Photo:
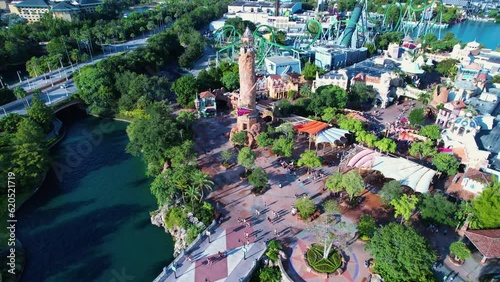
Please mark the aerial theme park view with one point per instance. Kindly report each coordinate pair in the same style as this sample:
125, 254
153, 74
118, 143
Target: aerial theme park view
223, 140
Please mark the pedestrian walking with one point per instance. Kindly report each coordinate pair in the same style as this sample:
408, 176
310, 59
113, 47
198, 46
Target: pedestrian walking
246, 235
276, 232
265, 204
269, 219
280, 185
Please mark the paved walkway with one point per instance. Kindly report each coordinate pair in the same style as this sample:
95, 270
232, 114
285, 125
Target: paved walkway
269, 215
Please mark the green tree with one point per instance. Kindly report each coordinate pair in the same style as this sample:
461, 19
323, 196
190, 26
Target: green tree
306, 207
416, 116
309, 71
486, 206
40, 113
201, 181
351, 124
20, 94
446, 163
309, 159
283, 146
328, 96
305, 90
180, 155
367, 138
431, 131
460, 250
386, 145
404, 206
496, 79
438, 209
366, 226
186, 118
371, 48
231, 80
226, 155
423, 149
353, 183
360, 95
239, 138
425, 98
329, 114
401, 254
334, 182
270, 274
447, 67
246, 158
153, 135
185, 89
264, 141
391, 191
10, 122
285, 128
258, 178
6, 96
163, 192
273, 249
193, 194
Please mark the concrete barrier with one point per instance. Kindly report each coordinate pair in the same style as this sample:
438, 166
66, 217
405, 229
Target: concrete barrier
284, 274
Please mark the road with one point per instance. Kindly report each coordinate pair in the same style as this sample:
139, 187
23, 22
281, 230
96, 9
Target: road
58, 84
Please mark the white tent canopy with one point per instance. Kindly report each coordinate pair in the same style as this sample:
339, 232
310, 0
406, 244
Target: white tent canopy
411, 174
330, 135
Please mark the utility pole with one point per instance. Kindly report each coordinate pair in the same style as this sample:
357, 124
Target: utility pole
1, 82
66, 73
50, 76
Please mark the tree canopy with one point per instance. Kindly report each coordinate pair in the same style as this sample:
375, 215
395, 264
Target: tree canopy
40, 113
361, 96
258, 178
310, 159
404, 206
246, 158
185, 89
486, 206
438, 209
460, 250
386, 145
283, 146
309, 71
390, 191
353, 183
431, 131
447, 67
423, 149
446, 163
328, 96
334, 182
416, 116
401, 254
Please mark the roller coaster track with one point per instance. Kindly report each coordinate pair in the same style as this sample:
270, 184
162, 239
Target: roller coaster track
228, 40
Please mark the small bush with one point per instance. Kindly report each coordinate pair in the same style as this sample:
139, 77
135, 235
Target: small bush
273, 249
205, 213
270, 274
306, 207
176, 217
317, 262
192, 233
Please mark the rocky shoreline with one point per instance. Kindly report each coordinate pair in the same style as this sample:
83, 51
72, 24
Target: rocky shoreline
179, 235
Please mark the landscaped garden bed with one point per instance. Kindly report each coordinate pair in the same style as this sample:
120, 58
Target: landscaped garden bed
314, 257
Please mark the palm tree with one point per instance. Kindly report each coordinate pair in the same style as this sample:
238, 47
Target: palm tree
425, 98
193, 194
201, 181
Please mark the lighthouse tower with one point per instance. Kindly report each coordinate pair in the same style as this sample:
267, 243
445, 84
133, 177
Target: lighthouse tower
246, 98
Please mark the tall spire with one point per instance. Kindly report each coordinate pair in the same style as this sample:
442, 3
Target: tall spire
248, 33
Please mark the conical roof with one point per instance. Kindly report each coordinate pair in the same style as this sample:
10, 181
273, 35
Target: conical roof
248, 33
407, 38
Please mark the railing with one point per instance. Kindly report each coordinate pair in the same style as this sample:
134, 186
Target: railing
196, 241
284, 274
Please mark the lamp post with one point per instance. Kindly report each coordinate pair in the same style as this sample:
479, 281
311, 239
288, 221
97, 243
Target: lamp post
19, 75
50, 76
174, 269
1, 82
208, 234
48, 97
4, 112
66, 73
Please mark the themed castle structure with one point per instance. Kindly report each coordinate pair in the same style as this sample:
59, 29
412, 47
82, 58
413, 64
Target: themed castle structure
247, 111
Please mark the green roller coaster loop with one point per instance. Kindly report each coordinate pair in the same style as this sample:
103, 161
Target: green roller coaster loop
387, 10
420, 9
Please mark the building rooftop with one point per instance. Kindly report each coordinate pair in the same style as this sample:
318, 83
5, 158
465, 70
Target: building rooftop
63, 7
486, 241
368, 67
488, 140
333, 75
282, 59
262, 4
483, 107
88, 2
465, 85
33, 4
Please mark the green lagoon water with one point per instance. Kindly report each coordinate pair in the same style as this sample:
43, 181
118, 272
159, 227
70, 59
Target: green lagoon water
90, 221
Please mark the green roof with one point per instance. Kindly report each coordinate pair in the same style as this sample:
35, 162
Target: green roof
64, 6
33, 4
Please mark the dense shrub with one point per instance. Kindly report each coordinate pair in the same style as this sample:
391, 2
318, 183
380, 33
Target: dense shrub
321, 265
176, 217
205, 213
192, 233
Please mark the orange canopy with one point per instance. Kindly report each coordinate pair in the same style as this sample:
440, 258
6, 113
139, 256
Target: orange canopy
312, 127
